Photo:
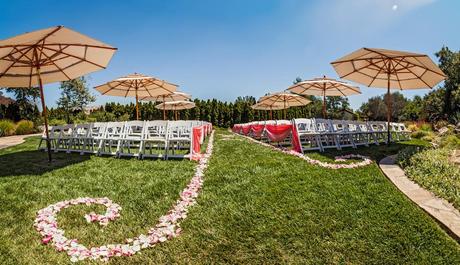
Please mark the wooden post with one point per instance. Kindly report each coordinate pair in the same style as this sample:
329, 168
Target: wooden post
44, 112
164, 109
388, 110
324, 102
137, 103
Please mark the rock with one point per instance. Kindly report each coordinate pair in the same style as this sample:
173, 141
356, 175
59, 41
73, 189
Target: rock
443, 131
455, 157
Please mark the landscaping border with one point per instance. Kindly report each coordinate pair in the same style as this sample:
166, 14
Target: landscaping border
440, 209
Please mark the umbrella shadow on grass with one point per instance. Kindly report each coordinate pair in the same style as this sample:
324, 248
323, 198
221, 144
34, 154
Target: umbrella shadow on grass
36, 162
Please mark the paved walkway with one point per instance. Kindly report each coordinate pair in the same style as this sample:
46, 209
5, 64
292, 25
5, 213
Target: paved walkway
439, 208
14, 140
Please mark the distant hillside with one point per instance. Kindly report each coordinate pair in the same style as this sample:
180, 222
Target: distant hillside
5, 100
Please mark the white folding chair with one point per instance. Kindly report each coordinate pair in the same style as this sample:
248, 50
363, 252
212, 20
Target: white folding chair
309, 137
64, 138
179, 135
379, 130
327, 136
155, 140
344, 136
358, 132
110, 142
79, 137
132, 140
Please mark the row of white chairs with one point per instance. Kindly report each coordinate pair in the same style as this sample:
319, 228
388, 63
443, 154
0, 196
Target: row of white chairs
141, 139
321, 134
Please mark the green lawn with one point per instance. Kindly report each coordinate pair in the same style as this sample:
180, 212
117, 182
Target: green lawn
257, 206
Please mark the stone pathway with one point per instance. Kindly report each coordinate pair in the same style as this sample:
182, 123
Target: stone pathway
14, 140
438, 208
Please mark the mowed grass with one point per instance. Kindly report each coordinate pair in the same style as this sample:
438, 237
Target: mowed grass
257, 206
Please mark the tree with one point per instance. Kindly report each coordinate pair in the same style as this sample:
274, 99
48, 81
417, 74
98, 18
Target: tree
449, 62
26, 103
376, 108
75, 96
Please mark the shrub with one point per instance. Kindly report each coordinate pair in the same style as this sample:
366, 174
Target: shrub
55, 122
91, 119
420, 134
450, 141
432, 169
404, 156
429, 137
24, 127
426, 127
412, 127
441, 123
6, 128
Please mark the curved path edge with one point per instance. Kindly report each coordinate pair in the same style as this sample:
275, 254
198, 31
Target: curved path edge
438, 208
9, 141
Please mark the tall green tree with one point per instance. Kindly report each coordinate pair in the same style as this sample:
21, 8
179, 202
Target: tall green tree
449, 62
75, 96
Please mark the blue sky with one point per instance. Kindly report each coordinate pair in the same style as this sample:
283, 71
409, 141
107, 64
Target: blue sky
225, 49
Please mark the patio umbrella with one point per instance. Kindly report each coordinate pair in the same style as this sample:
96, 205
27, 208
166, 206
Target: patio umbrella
176, 96
175, 106
50, 55
389, 69
284, 99
136, 85
264, 106
324, 87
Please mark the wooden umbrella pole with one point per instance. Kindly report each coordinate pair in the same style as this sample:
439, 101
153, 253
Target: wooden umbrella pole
324, 102
45, 114
271, 114
164, 109
388, 110
137, 103
285, 108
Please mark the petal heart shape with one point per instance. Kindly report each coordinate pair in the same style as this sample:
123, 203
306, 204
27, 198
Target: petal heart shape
168, 226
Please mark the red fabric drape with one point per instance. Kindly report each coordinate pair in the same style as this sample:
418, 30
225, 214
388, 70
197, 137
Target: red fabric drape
257, 130
245, 129
277, 133
196, 146
295, 140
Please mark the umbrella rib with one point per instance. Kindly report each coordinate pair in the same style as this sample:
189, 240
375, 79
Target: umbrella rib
377, 74
418, 77
363, 67
399, 82
41, 52
11, 53
77, 57
441, 74
14, 62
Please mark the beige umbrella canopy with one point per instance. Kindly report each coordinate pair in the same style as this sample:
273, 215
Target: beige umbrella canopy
136, 85
324, 87
176, 105
389, 69
284, 99
264, 106
50, 55
176, 96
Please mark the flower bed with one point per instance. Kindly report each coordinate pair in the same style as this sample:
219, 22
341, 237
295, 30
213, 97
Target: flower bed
168, 227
